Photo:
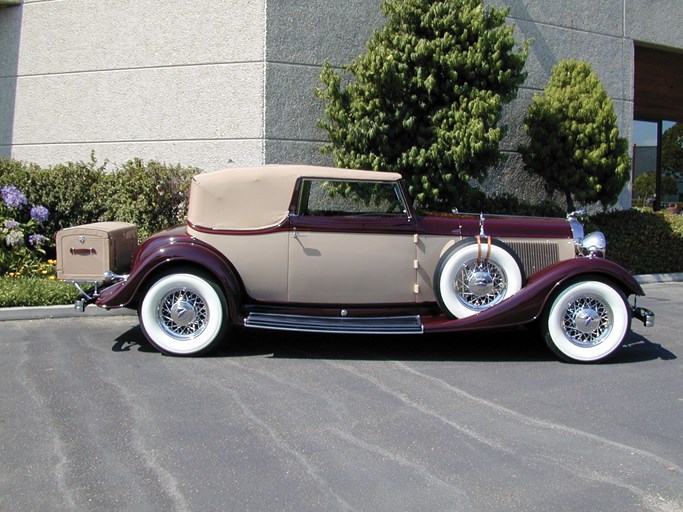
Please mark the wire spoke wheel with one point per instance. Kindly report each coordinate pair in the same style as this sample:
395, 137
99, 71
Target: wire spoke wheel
586, 321
474, 275
184, 314
480, 285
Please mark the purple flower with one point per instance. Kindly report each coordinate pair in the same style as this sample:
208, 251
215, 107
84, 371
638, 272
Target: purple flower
37, 240
13, 197
10, 224
39, 213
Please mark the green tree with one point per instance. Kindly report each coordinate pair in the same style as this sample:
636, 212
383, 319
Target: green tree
426, 97
574, 143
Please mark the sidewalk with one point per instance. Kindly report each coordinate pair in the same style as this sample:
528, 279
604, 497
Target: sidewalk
660, 278
69, 311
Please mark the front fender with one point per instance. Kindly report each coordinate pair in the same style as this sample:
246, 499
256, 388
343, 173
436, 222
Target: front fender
601, 267
158, 257
527, 304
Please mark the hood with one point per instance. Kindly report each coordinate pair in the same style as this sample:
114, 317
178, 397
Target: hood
498, 226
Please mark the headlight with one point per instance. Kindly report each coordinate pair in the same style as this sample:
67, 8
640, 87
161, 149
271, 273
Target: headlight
577, 230
594, 245
576, 226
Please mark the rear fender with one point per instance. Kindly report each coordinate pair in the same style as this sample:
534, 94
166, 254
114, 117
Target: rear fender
166, 256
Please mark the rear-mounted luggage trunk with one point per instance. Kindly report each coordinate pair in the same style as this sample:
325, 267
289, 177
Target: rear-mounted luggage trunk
86, 252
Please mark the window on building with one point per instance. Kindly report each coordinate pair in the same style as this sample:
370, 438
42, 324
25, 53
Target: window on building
658, 126
657, 149
672, 162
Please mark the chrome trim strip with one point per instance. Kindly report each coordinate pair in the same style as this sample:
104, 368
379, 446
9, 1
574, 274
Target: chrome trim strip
336, 325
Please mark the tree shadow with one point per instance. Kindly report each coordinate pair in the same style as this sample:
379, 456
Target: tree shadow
510, 345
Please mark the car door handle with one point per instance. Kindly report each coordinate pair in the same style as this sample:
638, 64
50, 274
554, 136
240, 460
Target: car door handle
297, 234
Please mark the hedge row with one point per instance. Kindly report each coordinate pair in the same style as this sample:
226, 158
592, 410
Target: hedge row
642, 241
153, 196
35, 291
150, 194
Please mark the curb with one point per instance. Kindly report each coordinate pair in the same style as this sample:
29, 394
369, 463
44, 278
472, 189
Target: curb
660, 278
48, 312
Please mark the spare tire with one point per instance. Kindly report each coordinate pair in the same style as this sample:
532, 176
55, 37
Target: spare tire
475, 274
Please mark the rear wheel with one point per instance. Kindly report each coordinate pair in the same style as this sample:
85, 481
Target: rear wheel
183, 314
587, 322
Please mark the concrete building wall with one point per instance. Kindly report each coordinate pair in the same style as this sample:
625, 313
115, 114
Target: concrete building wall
602, 33
223, 83
174, 81
578, 29
169, 80
302, 34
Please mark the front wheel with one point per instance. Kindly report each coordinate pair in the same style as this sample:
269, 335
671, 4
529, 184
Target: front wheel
183, 314
586, 322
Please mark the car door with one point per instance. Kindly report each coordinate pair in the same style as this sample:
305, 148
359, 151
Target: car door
351, 243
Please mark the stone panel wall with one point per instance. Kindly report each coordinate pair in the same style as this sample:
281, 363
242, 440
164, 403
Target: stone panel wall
179, 81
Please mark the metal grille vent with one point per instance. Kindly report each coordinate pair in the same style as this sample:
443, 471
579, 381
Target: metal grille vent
535, 256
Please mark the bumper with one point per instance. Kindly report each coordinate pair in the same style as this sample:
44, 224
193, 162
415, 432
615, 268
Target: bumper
644, 315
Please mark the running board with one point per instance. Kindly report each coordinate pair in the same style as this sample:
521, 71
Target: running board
340, 325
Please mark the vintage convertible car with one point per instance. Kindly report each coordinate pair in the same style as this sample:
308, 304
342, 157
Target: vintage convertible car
318, 249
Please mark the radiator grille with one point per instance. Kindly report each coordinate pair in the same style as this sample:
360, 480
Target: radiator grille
535, 256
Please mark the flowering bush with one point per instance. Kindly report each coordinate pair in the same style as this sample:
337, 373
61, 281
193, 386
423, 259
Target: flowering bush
22, 245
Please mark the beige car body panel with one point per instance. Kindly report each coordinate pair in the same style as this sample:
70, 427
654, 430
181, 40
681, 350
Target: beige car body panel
322, 267
351, 268
284, 266
346, 268
261, 260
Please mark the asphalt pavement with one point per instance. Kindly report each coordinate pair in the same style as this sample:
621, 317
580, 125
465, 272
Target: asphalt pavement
92, 418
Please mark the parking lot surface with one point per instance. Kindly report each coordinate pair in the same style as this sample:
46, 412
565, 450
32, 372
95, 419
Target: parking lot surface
92, 418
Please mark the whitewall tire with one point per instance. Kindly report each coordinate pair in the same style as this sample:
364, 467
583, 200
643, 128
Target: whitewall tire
473, 276
183, 314
586, 322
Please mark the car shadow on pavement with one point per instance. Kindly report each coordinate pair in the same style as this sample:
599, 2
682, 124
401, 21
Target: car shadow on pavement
508, 345
132, 339
638, 348
511, 345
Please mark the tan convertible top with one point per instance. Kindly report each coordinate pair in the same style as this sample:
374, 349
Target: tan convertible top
250, 198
